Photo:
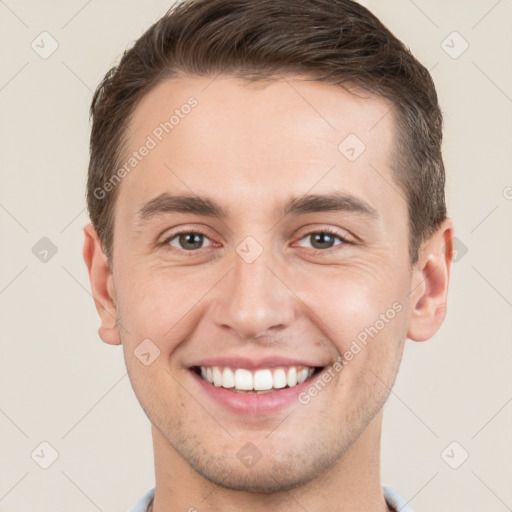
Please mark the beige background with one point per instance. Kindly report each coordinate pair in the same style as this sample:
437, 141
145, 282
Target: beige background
60, 384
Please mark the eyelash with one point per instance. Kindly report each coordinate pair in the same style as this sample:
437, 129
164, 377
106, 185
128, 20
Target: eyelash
326, 231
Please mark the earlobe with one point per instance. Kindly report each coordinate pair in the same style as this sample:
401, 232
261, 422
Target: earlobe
430, 281
102, 286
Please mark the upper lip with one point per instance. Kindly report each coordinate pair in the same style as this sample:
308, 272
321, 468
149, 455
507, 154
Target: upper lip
255, 363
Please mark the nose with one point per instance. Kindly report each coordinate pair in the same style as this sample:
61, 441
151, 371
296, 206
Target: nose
253, 300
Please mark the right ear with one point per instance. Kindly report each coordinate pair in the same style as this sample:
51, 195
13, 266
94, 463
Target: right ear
102, 286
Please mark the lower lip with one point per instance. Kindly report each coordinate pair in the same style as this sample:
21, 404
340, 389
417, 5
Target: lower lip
253, 404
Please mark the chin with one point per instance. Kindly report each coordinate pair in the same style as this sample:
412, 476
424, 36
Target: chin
272, 473
263, 481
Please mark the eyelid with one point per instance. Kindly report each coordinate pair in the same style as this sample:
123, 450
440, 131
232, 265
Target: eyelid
344, 235
335, 248
173, 234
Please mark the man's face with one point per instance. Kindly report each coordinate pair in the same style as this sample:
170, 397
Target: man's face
261, 289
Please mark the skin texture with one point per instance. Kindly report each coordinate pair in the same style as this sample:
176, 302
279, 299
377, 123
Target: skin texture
251, 148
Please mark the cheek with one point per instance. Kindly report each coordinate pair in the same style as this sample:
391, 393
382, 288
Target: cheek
157, 304
365, 319
356, 306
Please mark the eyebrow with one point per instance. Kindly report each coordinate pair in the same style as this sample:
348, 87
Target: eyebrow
312, 203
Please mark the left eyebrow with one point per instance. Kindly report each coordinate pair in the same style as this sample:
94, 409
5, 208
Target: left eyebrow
334, 202
337, 201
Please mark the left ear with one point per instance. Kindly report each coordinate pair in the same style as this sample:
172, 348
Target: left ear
430, 280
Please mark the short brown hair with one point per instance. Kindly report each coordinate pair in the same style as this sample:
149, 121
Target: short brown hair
335, 41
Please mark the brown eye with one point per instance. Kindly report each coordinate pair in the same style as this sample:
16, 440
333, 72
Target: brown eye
187, 240
323, 240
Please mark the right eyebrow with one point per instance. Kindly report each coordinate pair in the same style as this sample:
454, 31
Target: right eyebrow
167, 203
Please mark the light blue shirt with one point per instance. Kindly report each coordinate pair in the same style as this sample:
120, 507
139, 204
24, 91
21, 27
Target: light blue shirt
393, 499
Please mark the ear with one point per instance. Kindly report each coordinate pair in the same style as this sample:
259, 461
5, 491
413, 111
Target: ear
102, 286
430, 280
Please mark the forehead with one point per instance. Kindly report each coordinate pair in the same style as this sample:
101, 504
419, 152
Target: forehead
245, 142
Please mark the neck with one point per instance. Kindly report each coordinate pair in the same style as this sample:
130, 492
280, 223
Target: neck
352, 483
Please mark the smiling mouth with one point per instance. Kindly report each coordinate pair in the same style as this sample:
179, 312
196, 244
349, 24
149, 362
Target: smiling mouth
242, 380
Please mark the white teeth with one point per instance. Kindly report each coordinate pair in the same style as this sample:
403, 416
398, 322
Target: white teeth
302, 375
291, 378
217, 377
243, 379
279, 380
261, 380
228, 378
